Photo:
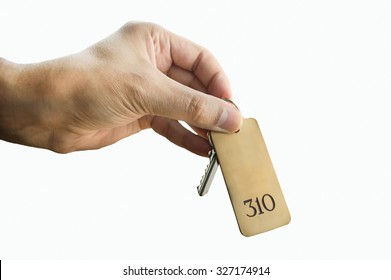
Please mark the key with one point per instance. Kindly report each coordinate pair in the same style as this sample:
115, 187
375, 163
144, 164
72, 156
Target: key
251, 181
210, 172
211, 168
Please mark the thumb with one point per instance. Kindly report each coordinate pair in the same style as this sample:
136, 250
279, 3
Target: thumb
180, 102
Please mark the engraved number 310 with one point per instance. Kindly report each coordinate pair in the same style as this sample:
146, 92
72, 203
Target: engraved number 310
266, 203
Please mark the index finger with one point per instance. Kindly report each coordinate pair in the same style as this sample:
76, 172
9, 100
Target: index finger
198, 60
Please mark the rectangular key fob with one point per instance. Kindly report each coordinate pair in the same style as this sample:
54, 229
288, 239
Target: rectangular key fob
252, 184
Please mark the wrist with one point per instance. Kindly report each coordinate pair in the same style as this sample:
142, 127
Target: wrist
8, 76
9, 72
22, 88
32, 99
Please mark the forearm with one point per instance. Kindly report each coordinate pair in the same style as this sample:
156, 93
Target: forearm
37, 101
9, 73
8, 76
20, 105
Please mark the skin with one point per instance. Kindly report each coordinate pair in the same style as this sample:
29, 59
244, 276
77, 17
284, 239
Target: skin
140, 77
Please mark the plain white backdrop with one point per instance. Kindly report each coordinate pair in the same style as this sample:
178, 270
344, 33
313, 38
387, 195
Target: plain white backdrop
315, 74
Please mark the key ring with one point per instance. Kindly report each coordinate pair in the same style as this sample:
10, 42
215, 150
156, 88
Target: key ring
230, 101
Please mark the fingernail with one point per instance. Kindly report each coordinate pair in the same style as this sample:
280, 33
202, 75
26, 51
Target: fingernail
230, 120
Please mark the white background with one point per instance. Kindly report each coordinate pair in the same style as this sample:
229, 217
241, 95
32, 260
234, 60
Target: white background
315, 74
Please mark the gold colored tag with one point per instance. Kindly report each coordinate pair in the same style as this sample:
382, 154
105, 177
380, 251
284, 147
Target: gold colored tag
251, 181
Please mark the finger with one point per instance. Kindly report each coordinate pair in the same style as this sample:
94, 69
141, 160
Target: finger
200, 131
176, 101
186, 78
189, 79
202, 63
180, 136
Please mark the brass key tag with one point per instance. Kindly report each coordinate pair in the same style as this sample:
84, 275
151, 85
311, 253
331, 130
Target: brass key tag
251, 181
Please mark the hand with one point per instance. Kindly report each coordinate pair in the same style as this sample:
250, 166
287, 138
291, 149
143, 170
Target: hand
142, 76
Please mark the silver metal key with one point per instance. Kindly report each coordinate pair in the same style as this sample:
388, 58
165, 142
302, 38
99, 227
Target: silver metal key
210, 172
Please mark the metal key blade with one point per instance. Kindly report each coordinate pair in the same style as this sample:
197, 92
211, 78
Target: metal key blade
210, 172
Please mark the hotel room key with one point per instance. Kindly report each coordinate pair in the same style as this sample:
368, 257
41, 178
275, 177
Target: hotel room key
251, 181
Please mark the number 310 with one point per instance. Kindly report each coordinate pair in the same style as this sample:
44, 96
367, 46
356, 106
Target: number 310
261, 205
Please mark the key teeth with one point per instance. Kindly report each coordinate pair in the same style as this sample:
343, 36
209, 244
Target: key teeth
202, 179
204, 185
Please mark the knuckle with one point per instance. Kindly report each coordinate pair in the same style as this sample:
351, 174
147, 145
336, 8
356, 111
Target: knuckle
197, 109
129, 26
138, 26
135, 93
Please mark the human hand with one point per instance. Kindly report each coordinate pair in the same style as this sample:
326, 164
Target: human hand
142, 76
